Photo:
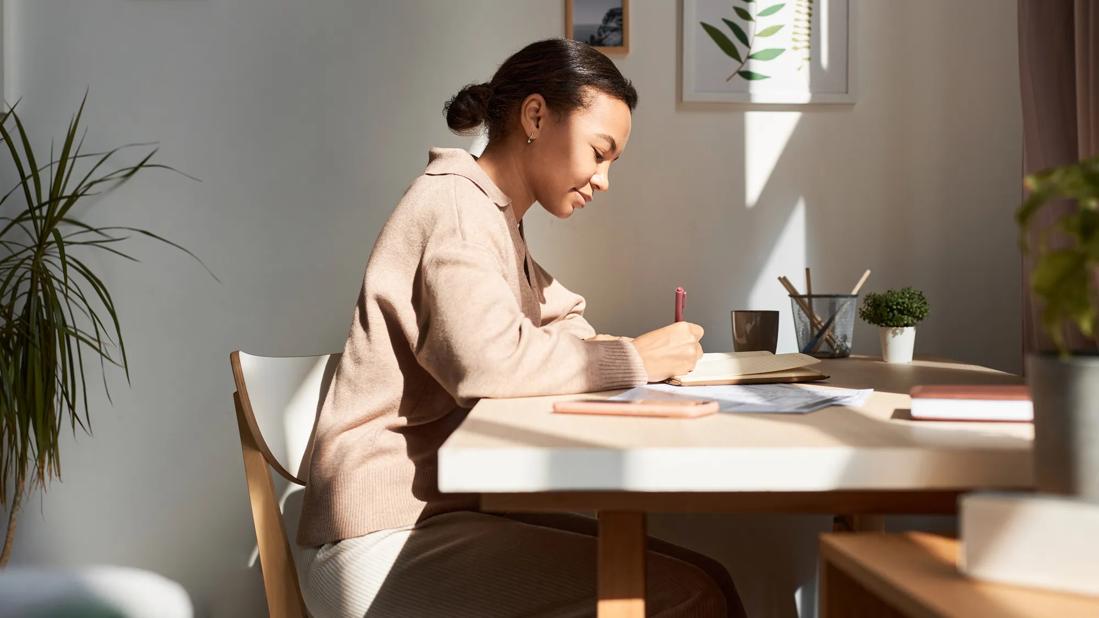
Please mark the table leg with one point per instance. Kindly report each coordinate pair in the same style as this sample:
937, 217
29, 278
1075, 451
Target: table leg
858, 523
621, 564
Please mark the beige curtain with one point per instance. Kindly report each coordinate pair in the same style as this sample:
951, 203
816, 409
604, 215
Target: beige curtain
1059, 77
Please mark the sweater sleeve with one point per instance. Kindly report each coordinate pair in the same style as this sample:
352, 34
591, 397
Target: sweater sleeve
562, 309
476, 342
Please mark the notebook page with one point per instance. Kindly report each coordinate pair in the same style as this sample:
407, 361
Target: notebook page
724, 365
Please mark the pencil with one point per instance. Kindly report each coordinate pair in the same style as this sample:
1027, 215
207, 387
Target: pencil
809, 294
813, 321
862, 280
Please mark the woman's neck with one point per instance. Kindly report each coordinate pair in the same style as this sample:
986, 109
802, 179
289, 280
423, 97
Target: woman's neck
501, 163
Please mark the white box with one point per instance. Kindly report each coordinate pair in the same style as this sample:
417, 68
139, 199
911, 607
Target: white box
1031, 540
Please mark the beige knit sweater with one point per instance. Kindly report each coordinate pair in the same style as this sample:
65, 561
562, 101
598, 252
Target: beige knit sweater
452, 309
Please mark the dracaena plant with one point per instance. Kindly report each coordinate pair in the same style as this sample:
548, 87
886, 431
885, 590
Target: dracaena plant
1065, 272
57, 315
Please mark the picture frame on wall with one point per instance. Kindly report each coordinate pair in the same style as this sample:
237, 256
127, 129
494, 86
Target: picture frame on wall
603, 24
769, 51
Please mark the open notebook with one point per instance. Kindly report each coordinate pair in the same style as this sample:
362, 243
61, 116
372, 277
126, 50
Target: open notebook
750, 368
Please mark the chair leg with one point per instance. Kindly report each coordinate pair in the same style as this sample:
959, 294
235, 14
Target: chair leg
280, 576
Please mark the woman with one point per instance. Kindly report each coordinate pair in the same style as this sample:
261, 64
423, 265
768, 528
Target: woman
453, 309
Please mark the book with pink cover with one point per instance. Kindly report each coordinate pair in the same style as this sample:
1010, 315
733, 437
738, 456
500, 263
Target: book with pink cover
976, 402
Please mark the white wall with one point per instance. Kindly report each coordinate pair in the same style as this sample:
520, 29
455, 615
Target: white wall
306, 121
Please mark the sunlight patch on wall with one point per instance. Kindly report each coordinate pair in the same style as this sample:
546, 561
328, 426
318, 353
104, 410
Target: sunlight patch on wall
765, 137
786, 257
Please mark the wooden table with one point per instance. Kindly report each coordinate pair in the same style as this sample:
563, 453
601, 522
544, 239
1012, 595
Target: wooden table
915, 574
859, 462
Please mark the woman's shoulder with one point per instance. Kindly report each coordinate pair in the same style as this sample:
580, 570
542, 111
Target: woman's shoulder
454, 197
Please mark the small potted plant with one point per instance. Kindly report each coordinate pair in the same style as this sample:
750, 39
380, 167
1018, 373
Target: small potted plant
1063, 372
896, 313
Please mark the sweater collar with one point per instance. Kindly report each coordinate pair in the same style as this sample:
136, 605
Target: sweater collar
444, 161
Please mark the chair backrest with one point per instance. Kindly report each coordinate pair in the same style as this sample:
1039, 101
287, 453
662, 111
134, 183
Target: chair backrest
277, 401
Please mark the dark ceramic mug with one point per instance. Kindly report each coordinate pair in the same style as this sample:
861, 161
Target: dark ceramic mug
754, 330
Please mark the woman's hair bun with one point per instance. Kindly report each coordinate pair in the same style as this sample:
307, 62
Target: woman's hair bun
468, 109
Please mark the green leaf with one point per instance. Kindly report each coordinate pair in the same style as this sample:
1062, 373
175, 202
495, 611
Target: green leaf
738, 32
745, 15
722, 41
771, 10
17, 159
64, 159
752, 75
767, 54
32, 164
769, 30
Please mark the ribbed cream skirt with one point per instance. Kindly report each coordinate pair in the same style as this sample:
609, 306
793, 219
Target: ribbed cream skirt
475, 564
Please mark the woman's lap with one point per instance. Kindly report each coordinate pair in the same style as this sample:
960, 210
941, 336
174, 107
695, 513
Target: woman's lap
590, 526
476, 564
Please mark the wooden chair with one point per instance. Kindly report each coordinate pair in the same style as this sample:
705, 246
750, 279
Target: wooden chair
277, 402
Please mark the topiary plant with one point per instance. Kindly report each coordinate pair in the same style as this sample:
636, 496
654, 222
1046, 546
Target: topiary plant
894, 308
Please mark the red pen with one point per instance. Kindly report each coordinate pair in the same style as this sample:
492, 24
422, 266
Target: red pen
680, 302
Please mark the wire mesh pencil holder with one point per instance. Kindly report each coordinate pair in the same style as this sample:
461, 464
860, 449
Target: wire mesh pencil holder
824, 323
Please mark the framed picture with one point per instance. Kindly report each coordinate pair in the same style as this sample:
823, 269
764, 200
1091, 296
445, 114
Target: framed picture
768, 51
603, 24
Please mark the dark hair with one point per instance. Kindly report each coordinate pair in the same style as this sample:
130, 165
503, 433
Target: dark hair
557, 69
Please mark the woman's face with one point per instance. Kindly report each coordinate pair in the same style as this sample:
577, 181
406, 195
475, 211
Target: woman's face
571, 156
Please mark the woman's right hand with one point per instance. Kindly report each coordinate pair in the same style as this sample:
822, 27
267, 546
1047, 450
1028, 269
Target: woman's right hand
670, 351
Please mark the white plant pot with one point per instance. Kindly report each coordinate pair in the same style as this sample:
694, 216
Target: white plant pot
897, 343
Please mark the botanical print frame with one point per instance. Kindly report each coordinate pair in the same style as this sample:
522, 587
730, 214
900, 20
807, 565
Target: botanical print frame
603, 24
769, 51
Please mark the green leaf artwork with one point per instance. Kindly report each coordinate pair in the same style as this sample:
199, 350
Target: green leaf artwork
802, 33
751, 75
771, 10
742, 25
767, 54
722, 41
738, 32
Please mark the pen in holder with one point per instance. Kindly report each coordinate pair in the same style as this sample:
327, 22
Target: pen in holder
824, 323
